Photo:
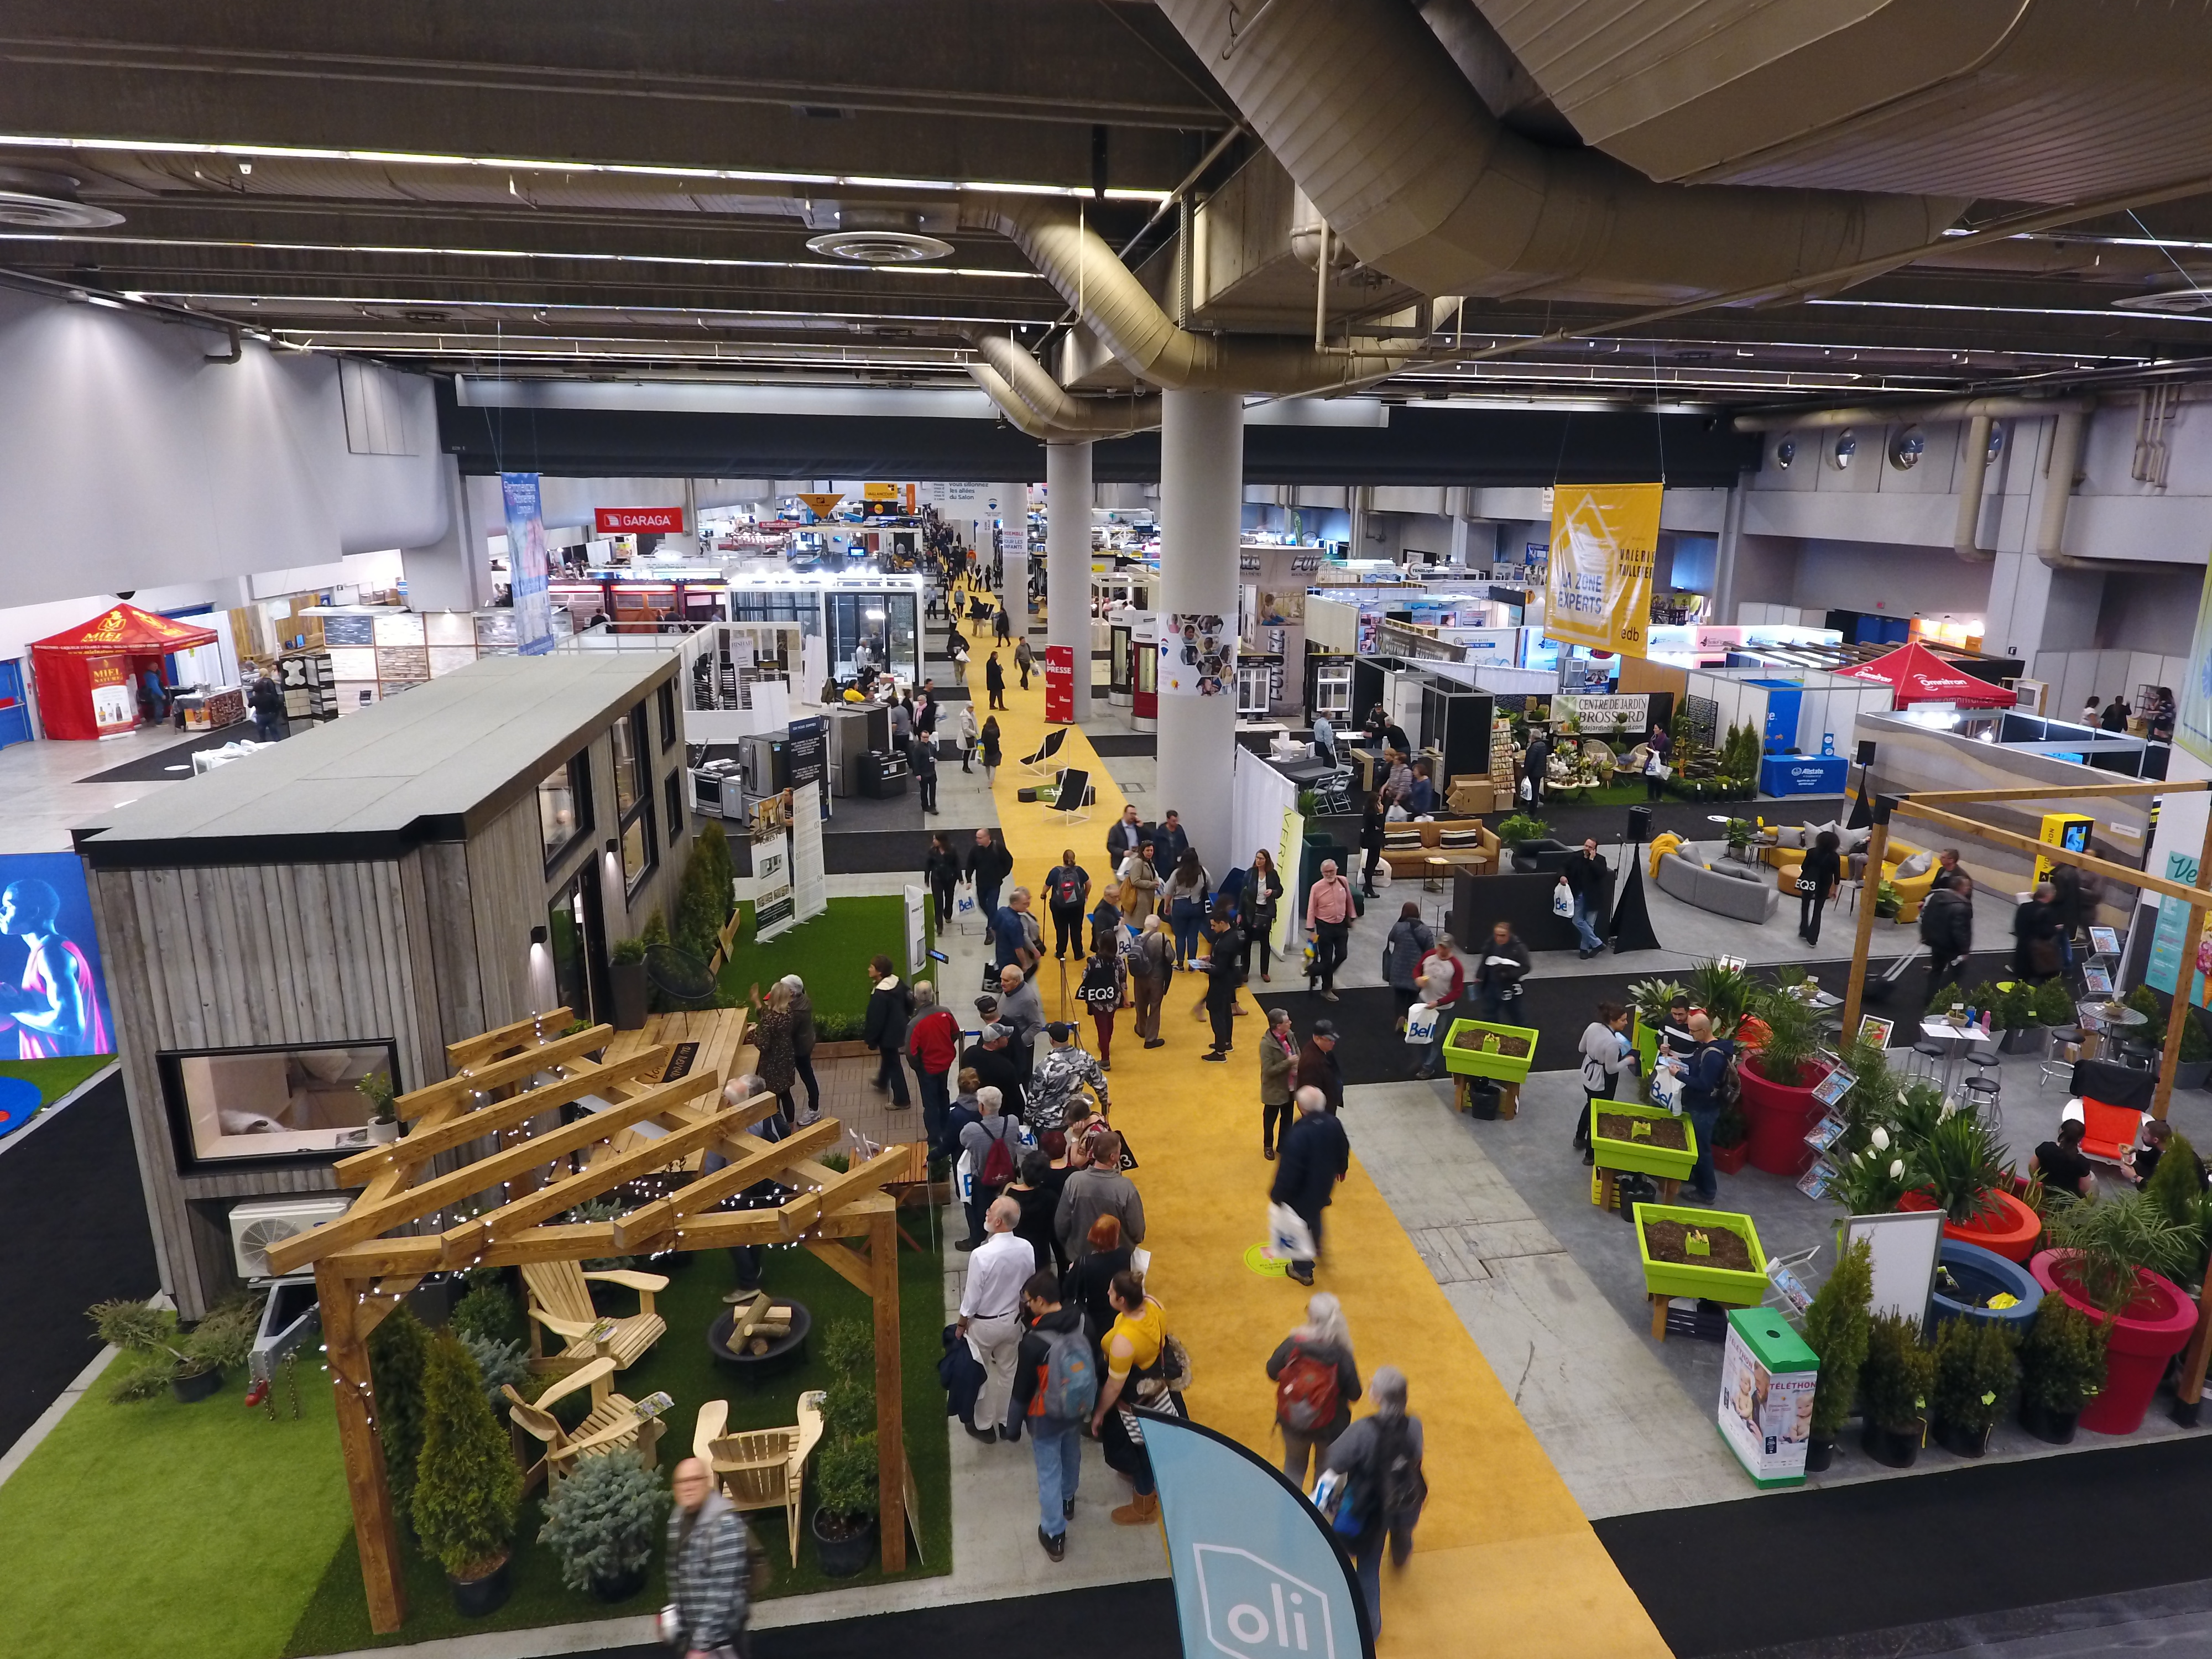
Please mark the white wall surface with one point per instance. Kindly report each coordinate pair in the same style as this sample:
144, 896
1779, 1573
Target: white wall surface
127, 460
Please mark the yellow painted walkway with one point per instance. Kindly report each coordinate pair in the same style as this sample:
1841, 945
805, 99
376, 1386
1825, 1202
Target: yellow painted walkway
1504, 1561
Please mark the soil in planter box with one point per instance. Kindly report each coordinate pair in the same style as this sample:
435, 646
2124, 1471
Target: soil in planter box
1511, 1047
1666, 1133
1664, 1239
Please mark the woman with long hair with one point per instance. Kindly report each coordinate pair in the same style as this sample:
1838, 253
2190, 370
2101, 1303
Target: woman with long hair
1185, 894
771, 1033
1605, 1049
1263, 896
988, 745
1315, 1382
941, 870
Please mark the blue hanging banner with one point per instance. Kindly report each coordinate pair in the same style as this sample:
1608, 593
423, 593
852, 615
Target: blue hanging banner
526, 567
1258, 1575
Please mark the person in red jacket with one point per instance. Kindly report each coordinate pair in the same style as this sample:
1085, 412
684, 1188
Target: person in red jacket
932, 1044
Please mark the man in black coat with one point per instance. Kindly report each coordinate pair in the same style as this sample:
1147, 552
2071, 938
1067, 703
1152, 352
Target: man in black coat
1124, 838
997, 1066
1315, 1155
1586, 874
1225, 969
1946, 927
2035, 936
1169, 842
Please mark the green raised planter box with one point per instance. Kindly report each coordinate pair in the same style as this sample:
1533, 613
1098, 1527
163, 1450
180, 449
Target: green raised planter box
1738, 1289
1642, 1156
1475, 1062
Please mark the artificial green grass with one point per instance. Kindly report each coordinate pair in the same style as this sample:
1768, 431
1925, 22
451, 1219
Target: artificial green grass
336, 1620
830, 952
181, 1532
56, 1078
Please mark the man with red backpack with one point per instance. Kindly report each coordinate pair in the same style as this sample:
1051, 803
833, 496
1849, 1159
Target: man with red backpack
1315, 1382
1055, 1388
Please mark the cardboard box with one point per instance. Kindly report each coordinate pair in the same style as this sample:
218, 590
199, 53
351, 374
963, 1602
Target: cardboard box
1472, 797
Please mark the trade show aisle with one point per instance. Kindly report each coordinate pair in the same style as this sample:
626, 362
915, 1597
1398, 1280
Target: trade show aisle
1503, 1549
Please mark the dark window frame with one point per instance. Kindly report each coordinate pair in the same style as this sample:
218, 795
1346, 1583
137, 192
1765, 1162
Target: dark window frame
184, 1150
671, 791
671, 728
579, 799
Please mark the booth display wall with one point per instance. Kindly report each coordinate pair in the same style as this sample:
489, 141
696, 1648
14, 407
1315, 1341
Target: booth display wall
1826, 704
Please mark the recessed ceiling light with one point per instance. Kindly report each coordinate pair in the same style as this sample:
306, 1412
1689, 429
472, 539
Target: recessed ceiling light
47, 201
878, 247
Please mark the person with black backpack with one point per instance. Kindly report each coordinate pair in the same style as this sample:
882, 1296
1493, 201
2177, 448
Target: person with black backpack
1380, 1491
1067, 895
1706, 1080
1105, 986
1055, 1388
1315, 1382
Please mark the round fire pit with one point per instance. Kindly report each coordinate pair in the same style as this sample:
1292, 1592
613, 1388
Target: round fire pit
783, 1351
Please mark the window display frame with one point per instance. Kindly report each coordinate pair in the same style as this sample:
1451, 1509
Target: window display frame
184, 1146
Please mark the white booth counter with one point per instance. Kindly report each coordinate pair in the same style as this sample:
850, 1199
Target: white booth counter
841, 609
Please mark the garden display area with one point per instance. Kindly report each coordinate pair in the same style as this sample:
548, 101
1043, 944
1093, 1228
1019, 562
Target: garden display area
830, 952
217, 1494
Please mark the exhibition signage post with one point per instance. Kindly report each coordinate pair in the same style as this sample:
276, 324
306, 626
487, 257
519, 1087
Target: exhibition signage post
1258, 1573
527, 570
1059, 683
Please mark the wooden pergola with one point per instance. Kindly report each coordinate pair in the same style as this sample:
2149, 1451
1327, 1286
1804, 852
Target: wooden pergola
480, 1136
1941, 809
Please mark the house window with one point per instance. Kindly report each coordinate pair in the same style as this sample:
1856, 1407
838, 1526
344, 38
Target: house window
640, 850
564, 805
673, 798
668, 727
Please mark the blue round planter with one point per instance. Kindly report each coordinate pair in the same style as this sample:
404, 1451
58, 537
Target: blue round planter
1986, 1272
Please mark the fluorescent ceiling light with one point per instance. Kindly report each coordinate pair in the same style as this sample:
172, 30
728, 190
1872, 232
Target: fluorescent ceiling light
2002, 311
525, 164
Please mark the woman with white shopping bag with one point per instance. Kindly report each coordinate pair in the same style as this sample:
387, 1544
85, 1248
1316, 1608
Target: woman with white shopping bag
1442, 976
1606, 1052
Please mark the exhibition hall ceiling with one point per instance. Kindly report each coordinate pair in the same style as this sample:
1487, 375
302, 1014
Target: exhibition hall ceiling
578, 191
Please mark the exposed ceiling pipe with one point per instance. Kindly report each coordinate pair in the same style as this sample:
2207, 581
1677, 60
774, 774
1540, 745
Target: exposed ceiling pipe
1974, 464
2057, 493
1019, 415
1368, 115
1129, 321
1947, 409
1100, 417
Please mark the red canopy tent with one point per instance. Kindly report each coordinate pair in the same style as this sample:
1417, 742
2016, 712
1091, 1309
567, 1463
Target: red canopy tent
1921, 675
86, 675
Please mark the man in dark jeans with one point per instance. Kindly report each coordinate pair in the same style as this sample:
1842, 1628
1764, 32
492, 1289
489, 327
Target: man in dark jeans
989, 864
1067, 895
1946, 927
1585, 874
1225, 969
1315, 1156
1702, 1080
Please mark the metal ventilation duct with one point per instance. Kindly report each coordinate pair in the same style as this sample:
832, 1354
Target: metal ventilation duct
1361, 104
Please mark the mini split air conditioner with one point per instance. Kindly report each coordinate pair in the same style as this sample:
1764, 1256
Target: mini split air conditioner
255, 1225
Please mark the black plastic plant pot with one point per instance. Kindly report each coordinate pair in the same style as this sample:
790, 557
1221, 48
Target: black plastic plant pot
2052, 1428
198, 1386
1961, 1442
622, 1589
849, 1552
1895, 1449
476, 1598
628, 985
1818, 1453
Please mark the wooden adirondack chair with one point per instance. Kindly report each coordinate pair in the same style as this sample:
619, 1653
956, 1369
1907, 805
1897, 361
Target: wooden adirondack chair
561, 1302
760, 1468
613, 1422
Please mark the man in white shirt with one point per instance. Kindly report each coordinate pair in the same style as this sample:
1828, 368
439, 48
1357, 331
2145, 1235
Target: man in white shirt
991, 1312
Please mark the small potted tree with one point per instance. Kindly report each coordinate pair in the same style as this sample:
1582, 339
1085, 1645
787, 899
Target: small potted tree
189, 1363
2192, 1067
1836, 1329
468, 1486
2111, 1262
1778, 1078
602, 1521
1898, 1375
383, 1108
626, 974
1976, 1372
397, 1350
846, 1479
2061, 1362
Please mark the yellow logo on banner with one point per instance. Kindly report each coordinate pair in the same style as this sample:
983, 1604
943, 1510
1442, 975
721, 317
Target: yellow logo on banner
821, 505
880, 492
1604, 537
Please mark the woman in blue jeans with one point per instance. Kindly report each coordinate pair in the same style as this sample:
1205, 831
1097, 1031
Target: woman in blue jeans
1184, 894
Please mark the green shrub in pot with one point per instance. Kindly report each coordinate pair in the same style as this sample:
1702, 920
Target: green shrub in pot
1960, 1164
1836, 1327
468, 1486
2054, 1004
1521, 827
1976, 1372
398, 1349
2061, 1358
1793, 1035
846, 1483
602, 1522
2106, 1240
1898, 1373
167, 1356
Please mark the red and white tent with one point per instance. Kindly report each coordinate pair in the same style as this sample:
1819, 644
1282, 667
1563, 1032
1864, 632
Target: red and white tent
1921, 675
87, 674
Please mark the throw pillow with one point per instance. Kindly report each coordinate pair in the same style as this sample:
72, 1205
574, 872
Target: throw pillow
1918, 865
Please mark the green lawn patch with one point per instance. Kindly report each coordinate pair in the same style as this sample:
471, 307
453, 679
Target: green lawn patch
830, 952
56, 1078
336, 1620
192, 1531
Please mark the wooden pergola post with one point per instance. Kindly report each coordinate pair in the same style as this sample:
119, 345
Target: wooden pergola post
1869, 890
890, 1404
353, 1394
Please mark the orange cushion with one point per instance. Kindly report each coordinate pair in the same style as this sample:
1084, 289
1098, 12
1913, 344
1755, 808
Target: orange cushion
2107, 1130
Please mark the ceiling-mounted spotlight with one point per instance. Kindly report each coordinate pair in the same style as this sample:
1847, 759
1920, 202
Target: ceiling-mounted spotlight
47, 201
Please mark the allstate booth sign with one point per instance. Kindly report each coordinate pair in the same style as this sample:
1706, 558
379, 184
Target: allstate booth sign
1258, 1575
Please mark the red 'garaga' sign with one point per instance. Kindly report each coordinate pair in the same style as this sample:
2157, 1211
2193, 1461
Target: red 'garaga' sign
628, 520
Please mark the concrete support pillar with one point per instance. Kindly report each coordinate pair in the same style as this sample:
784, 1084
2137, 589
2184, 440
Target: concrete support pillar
1724, 552
1067, 560
1014, 555
454, 572
1202, 491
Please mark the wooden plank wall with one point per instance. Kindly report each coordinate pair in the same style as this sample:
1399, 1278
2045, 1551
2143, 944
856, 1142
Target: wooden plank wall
254, 955
507, 897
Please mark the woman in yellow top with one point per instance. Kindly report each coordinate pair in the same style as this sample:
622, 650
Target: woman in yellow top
1133, 1347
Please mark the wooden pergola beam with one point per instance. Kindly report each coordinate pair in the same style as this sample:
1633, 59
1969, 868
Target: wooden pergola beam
466, 1241
366, 1219
1968, 827
648, 1222
515, 1033
429, 1141
2058, 792
501, 1072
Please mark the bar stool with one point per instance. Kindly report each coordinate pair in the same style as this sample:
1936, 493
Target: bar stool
1929, 1060
1981, 1096
2062, 1046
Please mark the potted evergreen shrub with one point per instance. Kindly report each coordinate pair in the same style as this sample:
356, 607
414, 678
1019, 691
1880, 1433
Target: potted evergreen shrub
845, 1479
2061, 1362
2012, 1011
188, 1363
398, 1349
2192, 1067
2054, 1004
1521, 827
468, 1486
626, 974
1976, 1372
1836, 1325
383, 1108
1897, 1376
602, 1522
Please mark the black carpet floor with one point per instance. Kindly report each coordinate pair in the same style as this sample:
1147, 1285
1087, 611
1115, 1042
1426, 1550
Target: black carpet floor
1824, 1566
885, 852
170, 765
1108, 744
73, 1232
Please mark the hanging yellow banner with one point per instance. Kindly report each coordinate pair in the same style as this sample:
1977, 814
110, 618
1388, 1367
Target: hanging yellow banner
821, 505
1603, 540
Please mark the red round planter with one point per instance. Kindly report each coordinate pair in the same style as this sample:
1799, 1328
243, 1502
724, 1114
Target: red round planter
1779, 1117
2157, 1327
2011, 1231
